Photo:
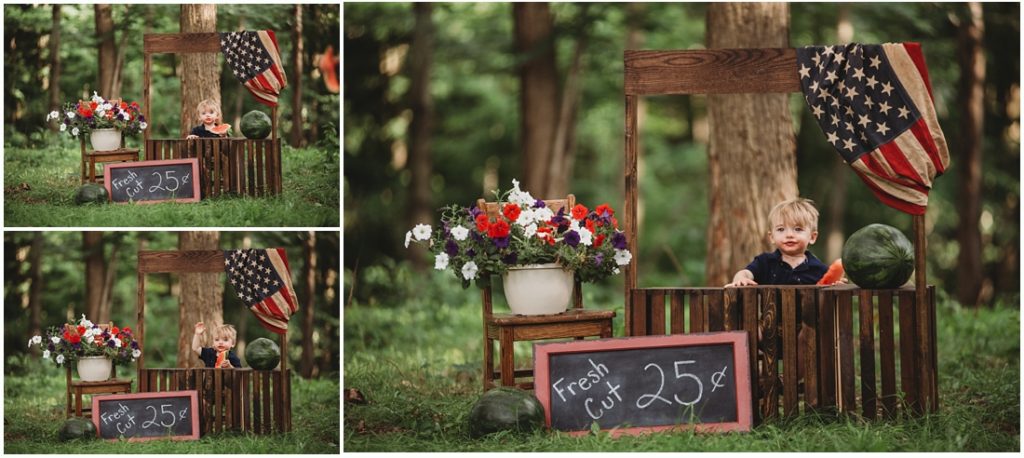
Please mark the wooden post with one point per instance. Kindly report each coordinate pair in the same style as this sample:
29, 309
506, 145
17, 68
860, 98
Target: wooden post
140, 325
922, 311
630, 207
147, 64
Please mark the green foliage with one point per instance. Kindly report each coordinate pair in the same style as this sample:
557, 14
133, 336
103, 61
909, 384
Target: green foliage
34, 411
41, 184
417, 362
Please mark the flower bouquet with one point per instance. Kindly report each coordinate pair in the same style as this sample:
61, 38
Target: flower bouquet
84, 116
69, 343
474, 245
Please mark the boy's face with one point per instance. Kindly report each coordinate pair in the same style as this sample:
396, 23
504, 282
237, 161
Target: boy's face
223, 343
791, 238
209, 116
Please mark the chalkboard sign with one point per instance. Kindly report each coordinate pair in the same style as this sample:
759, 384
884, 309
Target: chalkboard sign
639, 384
153, 181
147, 416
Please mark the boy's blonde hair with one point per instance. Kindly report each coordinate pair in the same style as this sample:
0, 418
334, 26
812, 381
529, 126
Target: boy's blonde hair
209, 103
795, 211
226, 330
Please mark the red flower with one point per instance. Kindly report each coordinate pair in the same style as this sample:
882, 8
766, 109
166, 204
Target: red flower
615, 223
114, 330
93, 105
67, 335
127, 330
482, 223
135, 104
579, 212
598, 240
498, 230
75, 338
124, 106
590, 225
604, 208
84, 111
81, 329
512, 212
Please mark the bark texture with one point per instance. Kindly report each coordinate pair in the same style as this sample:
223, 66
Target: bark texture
200, 72
107, 54
54, 79
295, 137
201, 298
92, 250
306, 366
538, 95
421, 208
970, 277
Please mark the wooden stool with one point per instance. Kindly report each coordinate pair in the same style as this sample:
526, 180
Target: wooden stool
79, 388
93, 157
508, 329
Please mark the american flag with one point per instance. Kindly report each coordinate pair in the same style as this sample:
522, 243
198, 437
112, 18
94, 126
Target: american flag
255, 60
263, 282
874, 104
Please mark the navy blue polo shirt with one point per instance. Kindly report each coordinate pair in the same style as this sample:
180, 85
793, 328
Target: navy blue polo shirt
770, 269
209, 357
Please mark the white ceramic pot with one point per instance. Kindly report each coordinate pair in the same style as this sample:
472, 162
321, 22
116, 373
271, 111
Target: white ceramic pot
94, 368
105, 139
538, 289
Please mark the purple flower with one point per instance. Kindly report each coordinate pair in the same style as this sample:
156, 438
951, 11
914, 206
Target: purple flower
559, 218
572, 238
501, 242
474, 212
110, 343
619, 241
511, 259
476, 236
471, 252
539, 204
451, 247
598, 259
135, 345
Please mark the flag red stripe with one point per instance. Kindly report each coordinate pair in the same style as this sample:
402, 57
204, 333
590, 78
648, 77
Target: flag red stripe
270, 327
914, 50
873, 166
924, 136
889, 200
899, 163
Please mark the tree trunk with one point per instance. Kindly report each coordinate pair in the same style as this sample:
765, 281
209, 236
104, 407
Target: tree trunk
110, 271
751, 152
200, 72
421, 208
297, 54
35, 275
107, 54
309, 276
538, 95
560, 168
839, 181
200, 299
971, 103
92, 249
55, 96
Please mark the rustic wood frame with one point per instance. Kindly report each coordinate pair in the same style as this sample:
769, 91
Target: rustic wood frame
744, 415
731, 71
191, 394
212, 261
254, 167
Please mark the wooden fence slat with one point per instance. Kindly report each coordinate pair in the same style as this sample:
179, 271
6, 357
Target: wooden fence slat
250, 163
218, 408
789, 353
697, 312
639, 315
908, 353
887, 353
278, 176
730, 309
257, 407
808, 338
935, 350
279, 396
657, 301
750, 325
260, 173
769, 346
868, 392
676, 315
265, 379
827, 349
715, 313
847, 376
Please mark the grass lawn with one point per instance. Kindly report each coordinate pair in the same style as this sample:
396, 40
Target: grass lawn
415, 355
34, 412
40, 185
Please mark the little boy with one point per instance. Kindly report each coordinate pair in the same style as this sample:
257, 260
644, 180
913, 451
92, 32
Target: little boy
209, 115
220, 356
794, 226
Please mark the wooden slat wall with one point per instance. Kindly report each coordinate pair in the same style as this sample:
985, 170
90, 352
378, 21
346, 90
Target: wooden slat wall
226, 166
829, 342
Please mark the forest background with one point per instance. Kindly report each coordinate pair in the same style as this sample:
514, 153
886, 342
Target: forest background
435, 114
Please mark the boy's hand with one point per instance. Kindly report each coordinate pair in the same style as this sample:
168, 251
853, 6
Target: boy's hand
741, 282
200, 328
190, 137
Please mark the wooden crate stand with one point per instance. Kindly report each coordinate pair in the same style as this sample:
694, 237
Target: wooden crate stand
230, 399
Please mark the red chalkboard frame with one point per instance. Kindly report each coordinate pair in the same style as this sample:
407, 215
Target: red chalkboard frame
107, 170
738, 339
194, 401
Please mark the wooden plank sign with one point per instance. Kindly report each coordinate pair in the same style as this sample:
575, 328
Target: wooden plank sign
641, 384
147, 416
153, 181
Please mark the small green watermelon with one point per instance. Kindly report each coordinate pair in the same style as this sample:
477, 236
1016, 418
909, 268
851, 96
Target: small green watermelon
77, 428
255, 125
91, 192
878, 257
262, 354
505, 408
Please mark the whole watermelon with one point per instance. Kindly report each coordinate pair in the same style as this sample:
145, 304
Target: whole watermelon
255, 124
262, 354
91, 192
878, 257
77, 428
504, 409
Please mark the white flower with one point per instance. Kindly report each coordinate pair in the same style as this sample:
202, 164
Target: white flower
100, 112
622, 257
85, 322
586, 237
55, 340
142, 126
53, 115
136, 353
34, 340
60, 359
460, 233
530, 230
96, 98
469, 270
63, 127
441, 261
71, 115
88, 334
543, 214
46, 354
615, 271
421, 231
74, 132
117, 342
408, 238
107, 106
517, 196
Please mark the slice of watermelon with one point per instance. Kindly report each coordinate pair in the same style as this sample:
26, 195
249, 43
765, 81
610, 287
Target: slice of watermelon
221, 129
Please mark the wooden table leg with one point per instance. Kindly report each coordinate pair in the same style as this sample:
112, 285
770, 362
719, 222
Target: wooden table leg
78, 403
508, 363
